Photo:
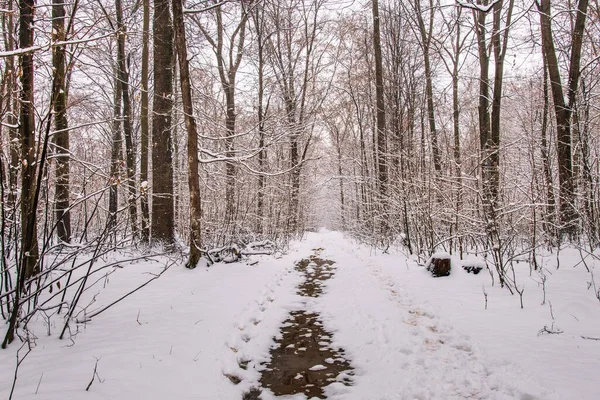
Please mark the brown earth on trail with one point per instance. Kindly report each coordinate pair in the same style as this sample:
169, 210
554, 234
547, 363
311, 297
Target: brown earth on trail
303, 360
316, 270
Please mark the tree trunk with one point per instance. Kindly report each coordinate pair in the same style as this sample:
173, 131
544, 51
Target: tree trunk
484, 96
12, 105
192, 135
28, 146
115, 160
549, 220
230, 169
144, 124
499, 43
163, 229
563, 110
258, 17
382, 170
425, 44
29, 245
341, 180
127, 123
586, 168
61, 137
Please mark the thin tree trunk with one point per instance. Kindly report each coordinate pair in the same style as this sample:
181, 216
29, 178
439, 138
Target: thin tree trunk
61, 137
341, 180
586, 170
192, 135
563, 110
456, 130
13, 107
425, 43
144, 124
258, 16
549, 220
28, 146
499, 42
382, 170
127, 123
484, 90
115, 159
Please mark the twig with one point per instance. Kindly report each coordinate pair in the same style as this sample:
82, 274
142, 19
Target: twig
93, 375
19, 361
485, 295
38, 385
590, 338
550, 331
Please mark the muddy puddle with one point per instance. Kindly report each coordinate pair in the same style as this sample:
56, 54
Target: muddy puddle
303, 359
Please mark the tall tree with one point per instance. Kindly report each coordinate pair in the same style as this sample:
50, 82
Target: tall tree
144, 126
29, 254
115, 158
192, 135
127, 116
61, 136
163, 213
381, 152
563, 108
258, 17
12, 108
489, 124
229, 57
28, 144
425, 35
549, 215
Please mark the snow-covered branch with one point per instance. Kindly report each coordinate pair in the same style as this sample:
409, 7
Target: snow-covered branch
477, 7
205, 9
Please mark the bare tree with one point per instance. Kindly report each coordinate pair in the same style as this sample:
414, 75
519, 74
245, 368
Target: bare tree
258, 17
115, 158
563, 108
11, 104
192, 135
61, 135
127, 116
382, 169
27, 134
489, 126
229, 57
144, 126
426, 34
163, 218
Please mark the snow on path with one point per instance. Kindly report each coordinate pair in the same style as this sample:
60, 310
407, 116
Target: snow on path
400, 350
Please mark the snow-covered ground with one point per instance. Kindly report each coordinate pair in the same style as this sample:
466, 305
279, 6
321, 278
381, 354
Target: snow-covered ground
408, 335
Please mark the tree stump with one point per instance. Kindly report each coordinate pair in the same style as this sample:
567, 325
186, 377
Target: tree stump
439, 265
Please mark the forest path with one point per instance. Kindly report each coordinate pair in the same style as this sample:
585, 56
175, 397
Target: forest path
211, 333
396, 349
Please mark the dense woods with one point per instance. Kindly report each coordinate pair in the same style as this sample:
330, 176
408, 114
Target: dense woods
182, 126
